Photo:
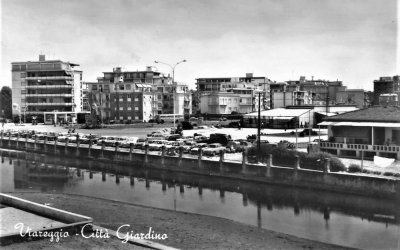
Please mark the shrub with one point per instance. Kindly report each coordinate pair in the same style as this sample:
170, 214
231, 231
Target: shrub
354, 168
388, 174
316, 161
397, 175
366, 171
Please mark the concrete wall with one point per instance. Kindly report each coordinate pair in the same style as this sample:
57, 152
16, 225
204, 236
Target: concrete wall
267, 173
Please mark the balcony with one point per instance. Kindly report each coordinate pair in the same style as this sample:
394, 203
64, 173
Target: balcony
361, 147
67, 78
49, 104
49, 95
49, 87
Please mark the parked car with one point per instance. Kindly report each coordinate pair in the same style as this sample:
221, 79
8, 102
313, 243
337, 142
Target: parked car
156, 145
101, 140
62, 137
195, 150
173, 137
128, 141
214, 149
86, 138
188, 145
202, 127
51, 136
223, 139
140, 143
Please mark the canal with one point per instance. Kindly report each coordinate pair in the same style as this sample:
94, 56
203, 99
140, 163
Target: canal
347, 220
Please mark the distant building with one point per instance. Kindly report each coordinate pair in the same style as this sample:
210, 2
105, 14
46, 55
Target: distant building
243, 89
291, 98
372, 131
389, 100
47, 86
386, 85
280, 118
351, 97
138, 96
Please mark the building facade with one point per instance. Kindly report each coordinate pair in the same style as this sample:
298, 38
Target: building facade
386, 85
46, 86
137, 96
232, 94
370, 132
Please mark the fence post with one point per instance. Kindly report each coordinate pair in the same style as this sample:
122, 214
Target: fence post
2, 137
45, 143
78, 143
296, 167
244, 162
221, 161
130, 151
55, 144
327, 167
269, 165
146, 152
90, 147
26, 142
35, 142
116, 150
66, 146
9, 140
180, 156
200, 158
162, 155
103, 145
18, 140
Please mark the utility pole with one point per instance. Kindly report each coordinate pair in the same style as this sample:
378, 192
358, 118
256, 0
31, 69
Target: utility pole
259, 127
173, 79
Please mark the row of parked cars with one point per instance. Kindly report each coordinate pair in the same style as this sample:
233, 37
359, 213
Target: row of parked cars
155, 141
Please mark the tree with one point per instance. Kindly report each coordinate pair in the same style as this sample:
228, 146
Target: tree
5, 102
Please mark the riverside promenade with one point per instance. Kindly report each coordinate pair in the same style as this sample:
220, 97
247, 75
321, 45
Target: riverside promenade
385, 187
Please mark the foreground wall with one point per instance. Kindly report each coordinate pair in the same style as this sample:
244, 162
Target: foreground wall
386, 187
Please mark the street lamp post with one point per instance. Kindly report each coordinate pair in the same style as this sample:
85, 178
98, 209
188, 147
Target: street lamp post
173, 80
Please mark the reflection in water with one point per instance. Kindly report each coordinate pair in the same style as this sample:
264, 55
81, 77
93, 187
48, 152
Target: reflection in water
328, 217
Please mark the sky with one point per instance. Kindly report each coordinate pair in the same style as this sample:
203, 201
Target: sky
351, 40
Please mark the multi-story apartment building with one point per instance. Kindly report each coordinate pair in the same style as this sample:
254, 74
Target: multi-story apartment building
222, 93
46, 86
323, 91
137, 96
291, 98
386, 85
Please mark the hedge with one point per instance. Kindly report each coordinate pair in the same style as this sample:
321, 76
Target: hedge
286, 157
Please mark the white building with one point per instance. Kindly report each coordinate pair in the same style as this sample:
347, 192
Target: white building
46, 86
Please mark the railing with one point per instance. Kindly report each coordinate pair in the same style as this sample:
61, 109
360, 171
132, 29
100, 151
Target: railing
49, 78
49, 95
49, 104
48, 86
376, 148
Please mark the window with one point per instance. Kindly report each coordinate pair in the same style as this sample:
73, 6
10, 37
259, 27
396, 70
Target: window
136, 99
128, 87
159, 97
121, 100
136, 117
121, 108
136, 108
23, 74
23, 83
129, 99
22, 100
121, 87
23, 91
94, 87
121, 117
129, 108
129, 117
106, 88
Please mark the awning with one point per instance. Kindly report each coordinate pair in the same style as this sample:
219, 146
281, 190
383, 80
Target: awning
327, 113
367, 124
143, 85
283, 117
325, 123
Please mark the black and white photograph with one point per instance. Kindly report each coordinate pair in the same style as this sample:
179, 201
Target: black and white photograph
200, 124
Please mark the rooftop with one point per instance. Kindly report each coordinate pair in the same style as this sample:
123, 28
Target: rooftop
372, 114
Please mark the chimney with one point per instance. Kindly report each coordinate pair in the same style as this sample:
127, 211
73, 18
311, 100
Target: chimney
42, 58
